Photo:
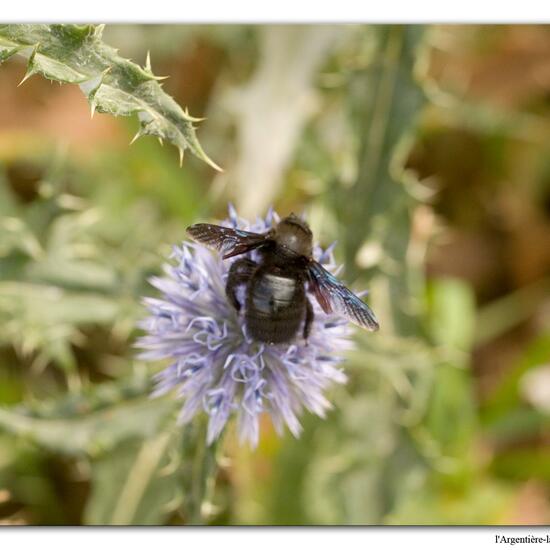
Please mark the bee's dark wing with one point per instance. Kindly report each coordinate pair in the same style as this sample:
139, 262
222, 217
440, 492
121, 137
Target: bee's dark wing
333, 296
230, 242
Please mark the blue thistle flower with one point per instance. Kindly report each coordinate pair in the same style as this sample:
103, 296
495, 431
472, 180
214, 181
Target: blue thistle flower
216, 366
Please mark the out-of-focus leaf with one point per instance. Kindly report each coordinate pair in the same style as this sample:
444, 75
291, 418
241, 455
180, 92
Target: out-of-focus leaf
485, 502
509, 311
290, 469
518, 423
73, 274
41, 318
451, 417
507, 395
281, 89
11, 386
92, 432
134, 484
76, 54
16, 235
376, 209
26, 475
343, 487
8, 205
48, 305
66, 266
361, 464
406, 364
451, 313
523, 464
94, 398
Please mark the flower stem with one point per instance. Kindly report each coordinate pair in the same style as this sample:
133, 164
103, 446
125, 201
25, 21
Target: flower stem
200, 473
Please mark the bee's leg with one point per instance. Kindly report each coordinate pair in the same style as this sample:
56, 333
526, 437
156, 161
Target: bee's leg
309, 319
239, 273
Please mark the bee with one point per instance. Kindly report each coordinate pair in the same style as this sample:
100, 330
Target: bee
276, 298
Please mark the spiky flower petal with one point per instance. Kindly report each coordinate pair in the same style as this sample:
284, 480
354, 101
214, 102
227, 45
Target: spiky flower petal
216, 367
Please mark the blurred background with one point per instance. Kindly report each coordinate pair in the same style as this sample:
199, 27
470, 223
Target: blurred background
424, 151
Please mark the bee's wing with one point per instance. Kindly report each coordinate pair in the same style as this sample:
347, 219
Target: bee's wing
333, 296
230, 242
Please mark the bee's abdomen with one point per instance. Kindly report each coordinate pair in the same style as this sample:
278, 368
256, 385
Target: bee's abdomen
275, 308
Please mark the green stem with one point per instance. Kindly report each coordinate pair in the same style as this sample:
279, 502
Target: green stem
200, 473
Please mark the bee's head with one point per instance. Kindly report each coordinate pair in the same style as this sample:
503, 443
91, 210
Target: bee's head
294, 235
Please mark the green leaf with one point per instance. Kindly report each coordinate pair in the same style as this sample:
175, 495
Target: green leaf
360, 468
504, 410
95, 430
42, 318
75, 54
485, 502
503, 314
7, 49
523, 464
64, 272
451, 418
135, 483
375, 212
452, 313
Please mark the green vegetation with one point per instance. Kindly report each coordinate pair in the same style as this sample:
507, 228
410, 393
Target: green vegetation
423, 151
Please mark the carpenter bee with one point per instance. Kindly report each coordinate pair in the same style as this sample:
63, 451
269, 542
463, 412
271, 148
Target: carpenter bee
276, 302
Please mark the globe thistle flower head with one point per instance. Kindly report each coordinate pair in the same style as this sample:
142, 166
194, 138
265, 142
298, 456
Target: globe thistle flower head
216, 366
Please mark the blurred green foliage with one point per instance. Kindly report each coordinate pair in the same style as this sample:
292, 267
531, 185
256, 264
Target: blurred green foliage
436, 186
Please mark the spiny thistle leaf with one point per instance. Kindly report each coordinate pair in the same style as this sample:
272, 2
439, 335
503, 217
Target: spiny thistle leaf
75, 54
